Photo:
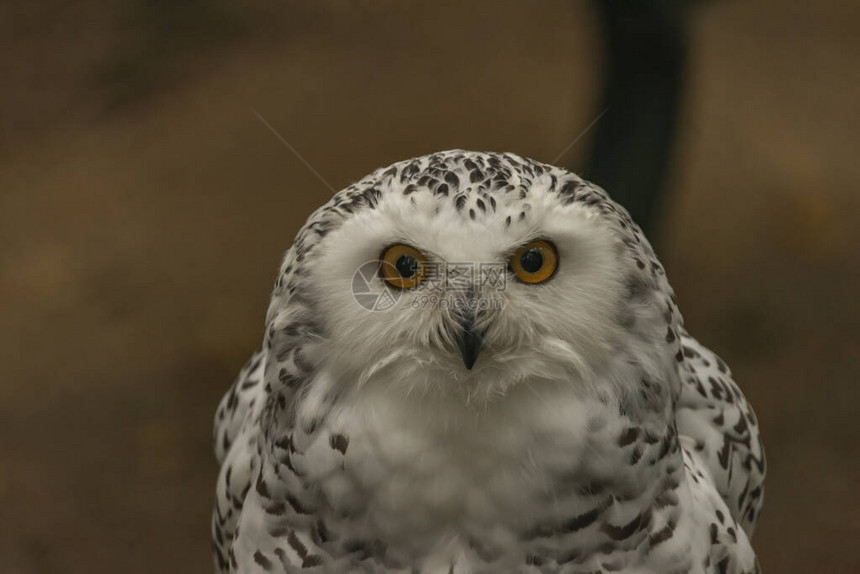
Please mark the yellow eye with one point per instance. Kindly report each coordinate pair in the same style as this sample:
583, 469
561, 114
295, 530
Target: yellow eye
535, 262
402, 266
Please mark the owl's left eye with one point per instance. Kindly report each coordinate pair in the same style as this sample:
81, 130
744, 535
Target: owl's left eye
402, 266
534, 262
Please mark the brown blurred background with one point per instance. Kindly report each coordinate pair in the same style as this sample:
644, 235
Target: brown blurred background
144, 208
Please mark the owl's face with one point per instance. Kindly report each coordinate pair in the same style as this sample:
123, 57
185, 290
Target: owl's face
540, 288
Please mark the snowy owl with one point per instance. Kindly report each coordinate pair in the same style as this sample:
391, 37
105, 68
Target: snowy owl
510, 389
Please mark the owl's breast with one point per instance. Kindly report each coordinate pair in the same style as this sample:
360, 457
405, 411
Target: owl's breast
431, 472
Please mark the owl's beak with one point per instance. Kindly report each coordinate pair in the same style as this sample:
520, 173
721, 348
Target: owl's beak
469, 339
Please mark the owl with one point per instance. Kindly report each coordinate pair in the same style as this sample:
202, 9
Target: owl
474, 363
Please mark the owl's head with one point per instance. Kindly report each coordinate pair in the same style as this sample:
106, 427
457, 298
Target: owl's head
470, 273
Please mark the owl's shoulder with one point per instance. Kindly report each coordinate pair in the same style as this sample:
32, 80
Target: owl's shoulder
721, 430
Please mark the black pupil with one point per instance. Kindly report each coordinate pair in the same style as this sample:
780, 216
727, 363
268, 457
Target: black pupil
407, 266
531, 261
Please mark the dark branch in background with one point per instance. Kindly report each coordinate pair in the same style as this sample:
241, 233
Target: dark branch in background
646, 49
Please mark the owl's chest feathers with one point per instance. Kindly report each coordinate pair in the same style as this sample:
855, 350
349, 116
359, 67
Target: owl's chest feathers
426, 468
